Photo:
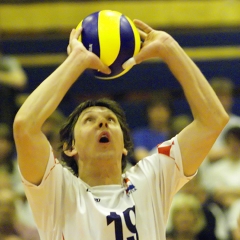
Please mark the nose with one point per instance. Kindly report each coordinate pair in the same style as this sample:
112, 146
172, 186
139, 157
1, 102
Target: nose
103, 123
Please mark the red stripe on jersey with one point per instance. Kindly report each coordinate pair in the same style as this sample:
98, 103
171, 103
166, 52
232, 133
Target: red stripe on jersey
56, 162
164, 150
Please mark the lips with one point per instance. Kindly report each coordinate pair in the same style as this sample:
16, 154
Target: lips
104, 137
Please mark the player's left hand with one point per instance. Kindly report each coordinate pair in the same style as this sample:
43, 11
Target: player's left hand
152, 46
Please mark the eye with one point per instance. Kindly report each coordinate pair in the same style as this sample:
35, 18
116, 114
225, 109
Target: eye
111, 119
88, 119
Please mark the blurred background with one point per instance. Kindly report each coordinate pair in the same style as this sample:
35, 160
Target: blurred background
33, 42
36, 33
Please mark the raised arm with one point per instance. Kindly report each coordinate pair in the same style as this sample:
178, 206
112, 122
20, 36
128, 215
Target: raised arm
209, 116
32, 146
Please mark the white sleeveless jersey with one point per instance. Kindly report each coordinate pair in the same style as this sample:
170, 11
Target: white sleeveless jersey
66, 208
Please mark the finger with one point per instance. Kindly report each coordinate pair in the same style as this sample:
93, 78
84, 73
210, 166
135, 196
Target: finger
78, 32
68, 49
72, 35
129, 63
143, 35
142, 26
104, 69
140, 57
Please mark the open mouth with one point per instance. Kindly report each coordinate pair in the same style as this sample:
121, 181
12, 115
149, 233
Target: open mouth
104, 138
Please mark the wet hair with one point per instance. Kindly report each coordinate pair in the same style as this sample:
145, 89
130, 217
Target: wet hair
67, 131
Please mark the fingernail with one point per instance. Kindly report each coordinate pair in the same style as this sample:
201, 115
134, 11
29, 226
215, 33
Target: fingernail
129, 63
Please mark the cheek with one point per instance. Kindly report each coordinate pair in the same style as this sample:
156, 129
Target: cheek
83, 137
121, 140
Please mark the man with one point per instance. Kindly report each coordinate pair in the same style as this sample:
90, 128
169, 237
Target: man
13, 80
101, 203
224, 89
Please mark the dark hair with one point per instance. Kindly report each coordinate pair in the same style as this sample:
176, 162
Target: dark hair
222, 85
158, 98
233, 132
67, 130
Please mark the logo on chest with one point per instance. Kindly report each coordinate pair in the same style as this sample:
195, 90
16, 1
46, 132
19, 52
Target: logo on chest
130, 188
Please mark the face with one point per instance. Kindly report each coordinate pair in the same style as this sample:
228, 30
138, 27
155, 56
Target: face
159, 115
227, 101
234, 146
98, 136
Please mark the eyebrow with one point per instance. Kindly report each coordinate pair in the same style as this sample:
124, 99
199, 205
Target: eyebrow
84, 113
91, 111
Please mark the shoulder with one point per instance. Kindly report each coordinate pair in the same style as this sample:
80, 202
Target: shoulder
168, 147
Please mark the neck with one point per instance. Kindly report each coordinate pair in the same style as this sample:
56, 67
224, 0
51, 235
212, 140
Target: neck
103, 173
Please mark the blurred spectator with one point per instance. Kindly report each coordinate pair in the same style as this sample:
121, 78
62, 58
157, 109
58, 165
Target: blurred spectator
6, 148
158, 114
178, 123
225, 174
9, 224
215, 219
224, 89
10, 178
187, 220
222, 178
233, 218
13, 79
7, 213
5, 180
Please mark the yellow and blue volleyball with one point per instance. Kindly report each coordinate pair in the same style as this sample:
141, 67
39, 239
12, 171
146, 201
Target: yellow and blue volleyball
113, 37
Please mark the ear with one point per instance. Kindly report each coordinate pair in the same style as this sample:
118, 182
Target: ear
125, 152
69, 152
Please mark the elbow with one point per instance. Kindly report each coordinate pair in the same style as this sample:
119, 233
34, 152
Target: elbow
21, 126
225, 119
215, 122
221, 121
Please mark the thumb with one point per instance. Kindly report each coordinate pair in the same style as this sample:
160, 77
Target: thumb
140, 57
104, 69
129, 63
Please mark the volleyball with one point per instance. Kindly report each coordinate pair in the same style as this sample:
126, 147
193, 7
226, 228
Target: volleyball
113, 37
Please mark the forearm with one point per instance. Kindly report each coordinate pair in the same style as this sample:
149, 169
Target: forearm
47, 96
203, 102
197, 138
